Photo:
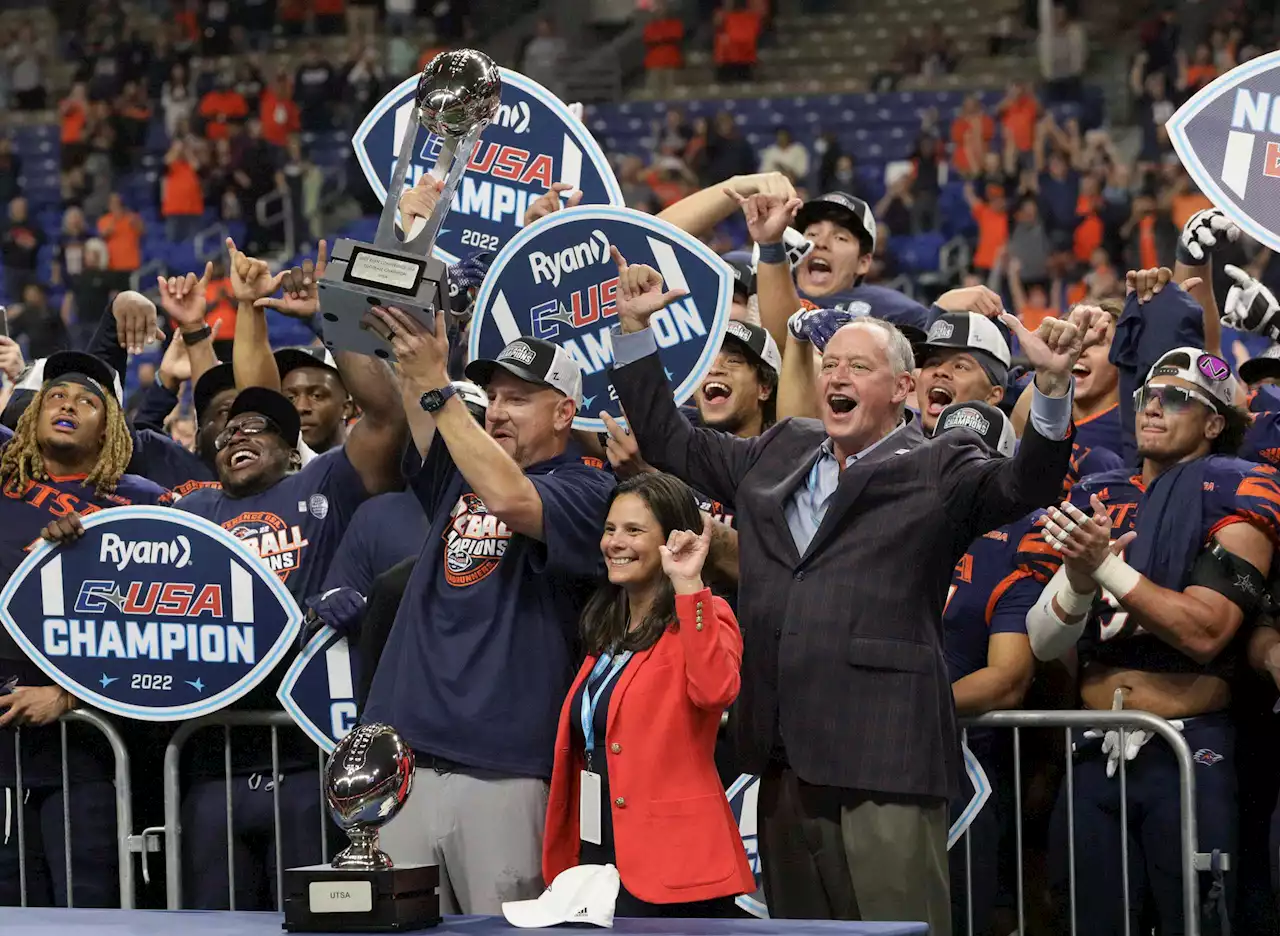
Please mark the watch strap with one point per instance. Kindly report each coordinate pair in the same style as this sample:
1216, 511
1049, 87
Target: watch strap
434, 400
197, 336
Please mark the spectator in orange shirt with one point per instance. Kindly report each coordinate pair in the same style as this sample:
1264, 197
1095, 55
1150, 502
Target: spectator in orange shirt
1186, 199
1089, 230
220, 301
181, 198
992, 217
1019, 112
663, 40
1199, 71
736, 41
971, 134
1030, 305
221, 106
278, 111
670, 180
122, 229
73, 113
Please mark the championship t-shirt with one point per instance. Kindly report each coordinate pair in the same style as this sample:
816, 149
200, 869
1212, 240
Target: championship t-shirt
295, 527
483, 649
24, 512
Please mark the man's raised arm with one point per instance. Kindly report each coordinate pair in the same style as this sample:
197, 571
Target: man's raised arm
711, 461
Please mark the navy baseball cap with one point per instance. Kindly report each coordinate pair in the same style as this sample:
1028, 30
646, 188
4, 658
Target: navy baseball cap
62, 363
536, 361
275, 406
291, 359
843, 209
1265, 365
216, 379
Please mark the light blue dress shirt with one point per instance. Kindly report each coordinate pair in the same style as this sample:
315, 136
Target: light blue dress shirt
804, 510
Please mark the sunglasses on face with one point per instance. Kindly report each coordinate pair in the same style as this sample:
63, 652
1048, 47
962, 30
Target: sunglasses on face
1171, 399
253, 425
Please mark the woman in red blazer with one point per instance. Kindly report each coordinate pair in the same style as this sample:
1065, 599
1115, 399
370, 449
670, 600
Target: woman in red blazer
639, 789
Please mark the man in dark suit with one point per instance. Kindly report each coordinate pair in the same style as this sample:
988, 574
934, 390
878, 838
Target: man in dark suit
850, 527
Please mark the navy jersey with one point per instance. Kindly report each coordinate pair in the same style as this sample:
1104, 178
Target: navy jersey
1262, 441
1087, 461
483, 648
994, 585
1233, 491
385, 531
166, 462
1100, 431
295, 526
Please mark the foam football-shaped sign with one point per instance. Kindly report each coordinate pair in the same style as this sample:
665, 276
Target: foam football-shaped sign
533, 142
318, 690
153, 614
1228, 138
743, 796
557, 281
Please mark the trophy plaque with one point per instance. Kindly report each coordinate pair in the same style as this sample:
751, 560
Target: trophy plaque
458, 95
368, 779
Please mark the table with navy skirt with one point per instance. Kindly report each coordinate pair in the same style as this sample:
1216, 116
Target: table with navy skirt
58, 922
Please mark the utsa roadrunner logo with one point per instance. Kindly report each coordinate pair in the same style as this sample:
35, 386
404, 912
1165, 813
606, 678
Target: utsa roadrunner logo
474, 542
277, 543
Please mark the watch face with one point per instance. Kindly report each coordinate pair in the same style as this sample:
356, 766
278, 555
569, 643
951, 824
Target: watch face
431, 401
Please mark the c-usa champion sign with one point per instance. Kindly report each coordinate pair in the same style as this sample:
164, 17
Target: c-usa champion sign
557, 281
153, 614
318, 691
532, 142
1228, 138
743, 795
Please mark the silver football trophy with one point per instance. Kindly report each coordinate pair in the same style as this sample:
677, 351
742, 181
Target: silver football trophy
367, 780
458, 94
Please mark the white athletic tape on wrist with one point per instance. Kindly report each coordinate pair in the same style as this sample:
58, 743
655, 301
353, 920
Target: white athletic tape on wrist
1117, 576
1072, 602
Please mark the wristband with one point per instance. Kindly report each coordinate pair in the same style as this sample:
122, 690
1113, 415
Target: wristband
1072, 602
773, 253
195, 337
1117, 576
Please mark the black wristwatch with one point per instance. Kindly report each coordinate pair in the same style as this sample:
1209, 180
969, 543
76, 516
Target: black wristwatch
433, 400
197, 336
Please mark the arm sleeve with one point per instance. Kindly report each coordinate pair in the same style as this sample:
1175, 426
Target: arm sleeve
157, 403
1051, 415
981, 493
1051, 639
573, 511
712, 645
713, 462
105, 343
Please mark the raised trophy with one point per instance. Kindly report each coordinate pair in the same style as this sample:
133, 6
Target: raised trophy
458, 94
368, 778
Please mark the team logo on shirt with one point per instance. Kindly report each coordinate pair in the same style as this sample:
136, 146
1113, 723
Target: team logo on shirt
277, 543
474, 542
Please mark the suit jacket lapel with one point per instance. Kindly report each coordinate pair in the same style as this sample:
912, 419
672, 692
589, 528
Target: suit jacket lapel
854, 478
779, 495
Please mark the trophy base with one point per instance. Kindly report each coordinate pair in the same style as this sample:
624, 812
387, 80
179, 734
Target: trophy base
361, 275
324, 899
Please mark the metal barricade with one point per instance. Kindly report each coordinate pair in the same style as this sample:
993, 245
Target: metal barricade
126, 842
1125, 720
173, 797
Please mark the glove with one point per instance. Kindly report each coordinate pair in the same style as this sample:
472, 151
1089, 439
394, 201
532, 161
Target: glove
1250, 306
1134, 739
816, 326
464, 279
339, 608
1204, 232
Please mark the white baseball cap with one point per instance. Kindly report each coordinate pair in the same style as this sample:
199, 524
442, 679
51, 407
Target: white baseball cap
584, 894
1200, 369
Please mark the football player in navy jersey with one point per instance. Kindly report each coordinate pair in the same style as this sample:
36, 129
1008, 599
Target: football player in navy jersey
989, 660
481, 652
1163, 572
66, 459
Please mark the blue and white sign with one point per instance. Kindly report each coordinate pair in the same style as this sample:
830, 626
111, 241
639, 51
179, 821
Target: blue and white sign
744, 795
533, 142
153, 614
1228, 138
318, 691
556, 281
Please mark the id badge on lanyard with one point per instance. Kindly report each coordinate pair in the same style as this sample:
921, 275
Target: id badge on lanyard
590, 797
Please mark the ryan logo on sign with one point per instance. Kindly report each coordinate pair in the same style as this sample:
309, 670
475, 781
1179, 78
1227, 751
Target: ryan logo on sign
557, 281
1228, 138
153, 614
533, 142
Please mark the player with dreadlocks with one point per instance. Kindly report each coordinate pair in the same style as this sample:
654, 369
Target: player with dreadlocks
66, 459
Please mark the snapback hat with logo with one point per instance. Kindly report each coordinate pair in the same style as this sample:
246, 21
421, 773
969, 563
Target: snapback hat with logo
1201, 369
987, 421
61, 363
1265, 365
538, 362
744, 278
844, 210
972, 332
584, 894
290, 359
758, 342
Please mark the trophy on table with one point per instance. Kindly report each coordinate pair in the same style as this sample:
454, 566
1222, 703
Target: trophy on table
367, 780
458, 95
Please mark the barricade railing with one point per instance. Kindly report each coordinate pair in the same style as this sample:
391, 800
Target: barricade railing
126, 841
173, 797
1124, 720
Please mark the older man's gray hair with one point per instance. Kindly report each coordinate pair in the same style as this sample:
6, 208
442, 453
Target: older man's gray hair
897, 346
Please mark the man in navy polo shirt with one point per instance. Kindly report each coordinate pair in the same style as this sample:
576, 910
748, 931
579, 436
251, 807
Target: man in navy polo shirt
481, 653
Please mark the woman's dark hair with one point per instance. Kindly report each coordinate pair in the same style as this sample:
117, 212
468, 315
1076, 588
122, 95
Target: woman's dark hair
605, 619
